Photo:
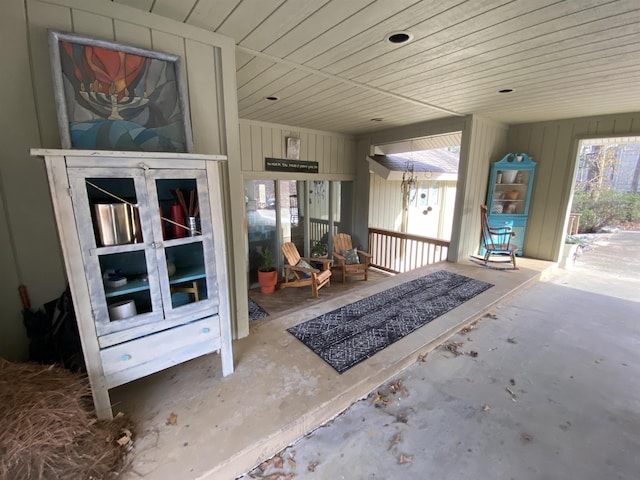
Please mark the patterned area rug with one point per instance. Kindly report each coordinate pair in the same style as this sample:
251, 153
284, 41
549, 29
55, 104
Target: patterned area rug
347, 336
256, 311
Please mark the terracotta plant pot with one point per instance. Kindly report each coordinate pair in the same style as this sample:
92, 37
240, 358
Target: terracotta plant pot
267, 281
511, 195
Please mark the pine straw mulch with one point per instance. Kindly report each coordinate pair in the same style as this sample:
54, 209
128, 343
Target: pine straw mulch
49, 428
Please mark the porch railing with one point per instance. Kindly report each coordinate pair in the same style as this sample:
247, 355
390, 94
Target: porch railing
401, 252
319, 229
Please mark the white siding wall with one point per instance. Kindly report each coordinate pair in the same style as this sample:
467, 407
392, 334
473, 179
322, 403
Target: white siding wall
334, 153
553, 145
28, 239
483, 141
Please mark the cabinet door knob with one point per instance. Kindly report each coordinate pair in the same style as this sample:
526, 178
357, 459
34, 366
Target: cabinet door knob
125, 357
205, 330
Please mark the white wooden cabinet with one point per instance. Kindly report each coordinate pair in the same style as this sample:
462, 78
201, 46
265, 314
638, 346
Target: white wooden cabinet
148, 291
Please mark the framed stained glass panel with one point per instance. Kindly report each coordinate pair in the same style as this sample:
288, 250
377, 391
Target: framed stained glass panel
111, 96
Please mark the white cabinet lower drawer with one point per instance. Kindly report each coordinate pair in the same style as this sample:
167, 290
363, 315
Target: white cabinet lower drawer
143, 356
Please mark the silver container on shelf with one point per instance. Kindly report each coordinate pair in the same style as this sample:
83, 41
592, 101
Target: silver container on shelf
117, 223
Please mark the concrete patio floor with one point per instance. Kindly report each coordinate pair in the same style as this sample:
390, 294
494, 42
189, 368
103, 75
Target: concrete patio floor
553, 392
280, 389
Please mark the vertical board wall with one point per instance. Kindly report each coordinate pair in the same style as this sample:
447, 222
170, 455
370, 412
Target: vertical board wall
334, 153
553, 145
30, 121
483, 141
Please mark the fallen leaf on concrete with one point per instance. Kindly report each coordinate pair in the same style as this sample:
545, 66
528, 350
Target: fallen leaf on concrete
525, 437
395, 440
513, 395
292, 463
278, 462
512, 381
292, 454
453, 347
405, 458
173, 419
312, 466
395, 386
490, 315
492, 349
511, 340
486, 408
472, 353
468, 328
422, 357
376, 398
402, 417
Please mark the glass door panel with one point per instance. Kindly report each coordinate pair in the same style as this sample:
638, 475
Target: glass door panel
291, 198
126, 284
183, 278
108, 210
260, 208
187, 279
319, 196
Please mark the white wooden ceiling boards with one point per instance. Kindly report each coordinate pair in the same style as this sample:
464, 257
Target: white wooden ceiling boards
332, 69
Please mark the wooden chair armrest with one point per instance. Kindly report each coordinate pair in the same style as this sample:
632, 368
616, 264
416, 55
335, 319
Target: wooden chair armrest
326, 262
366, 254
340, 258
302, 269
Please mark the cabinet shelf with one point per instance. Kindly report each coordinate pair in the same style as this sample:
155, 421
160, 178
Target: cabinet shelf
132, 286
187, 274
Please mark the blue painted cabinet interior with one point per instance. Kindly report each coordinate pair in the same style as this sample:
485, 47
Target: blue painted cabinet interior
509, 194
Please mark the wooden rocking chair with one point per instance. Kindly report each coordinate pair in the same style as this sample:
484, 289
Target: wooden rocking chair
304, 274
496, 242
349, 265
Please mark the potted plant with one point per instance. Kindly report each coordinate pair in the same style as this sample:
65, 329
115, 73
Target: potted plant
267, 273
570, 252
319, 249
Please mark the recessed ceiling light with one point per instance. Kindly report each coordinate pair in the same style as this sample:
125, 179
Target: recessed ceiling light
272, 98
377, 119
398, 37
506, 90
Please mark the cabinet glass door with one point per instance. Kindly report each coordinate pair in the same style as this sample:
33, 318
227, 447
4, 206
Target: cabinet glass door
149, 265
510, 192
112, 216
185, 261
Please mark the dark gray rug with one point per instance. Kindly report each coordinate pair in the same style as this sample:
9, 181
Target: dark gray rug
350, 334
256, 311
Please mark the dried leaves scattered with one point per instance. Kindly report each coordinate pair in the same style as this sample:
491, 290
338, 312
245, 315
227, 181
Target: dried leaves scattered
274, 468
454, 347
466, 330
49, 428
385, 396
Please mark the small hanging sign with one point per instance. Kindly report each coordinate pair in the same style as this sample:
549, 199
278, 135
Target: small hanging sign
294, 166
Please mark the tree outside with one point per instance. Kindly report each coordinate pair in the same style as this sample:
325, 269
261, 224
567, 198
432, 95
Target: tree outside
606, 189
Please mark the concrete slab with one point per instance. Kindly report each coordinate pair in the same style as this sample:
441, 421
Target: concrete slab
552, 394
280, 390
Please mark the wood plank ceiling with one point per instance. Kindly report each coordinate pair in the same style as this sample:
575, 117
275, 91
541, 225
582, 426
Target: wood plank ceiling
332, 69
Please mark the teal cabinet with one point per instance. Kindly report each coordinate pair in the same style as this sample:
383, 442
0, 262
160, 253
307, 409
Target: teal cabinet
509, 194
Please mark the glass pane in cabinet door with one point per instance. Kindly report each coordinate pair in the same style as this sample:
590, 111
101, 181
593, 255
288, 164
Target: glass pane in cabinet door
114, 211
187, 277
126, 285
179, 207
